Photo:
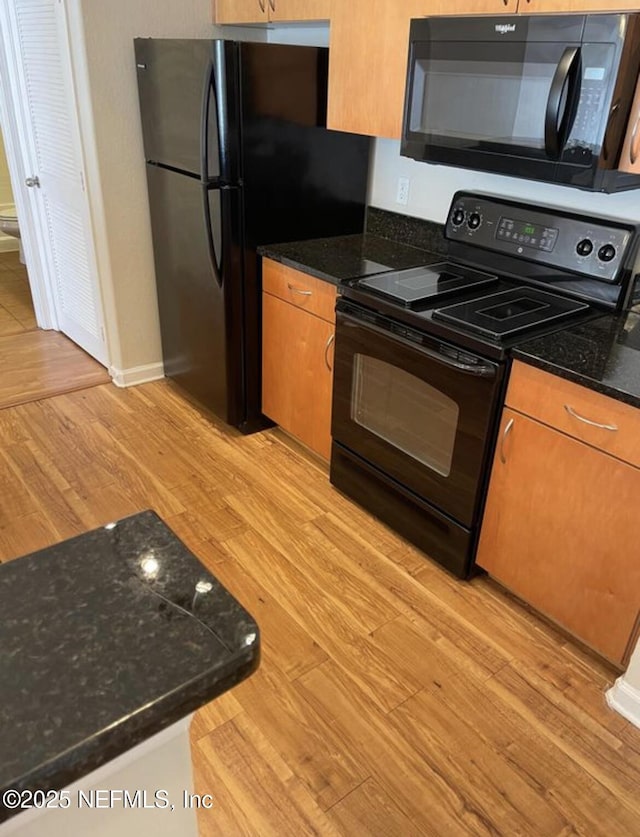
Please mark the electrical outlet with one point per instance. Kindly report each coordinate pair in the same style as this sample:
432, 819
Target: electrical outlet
403, 191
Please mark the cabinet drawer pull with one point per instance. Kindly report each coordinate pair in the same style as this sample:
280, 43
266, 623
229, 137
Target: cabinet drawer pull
272, 3
612, 427
326, 352
298, 290
507, 430
635, 142
261, 3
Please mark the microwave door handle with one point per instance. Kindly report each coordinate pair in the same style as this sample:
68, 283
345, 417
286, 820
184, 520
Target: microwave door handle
567, 72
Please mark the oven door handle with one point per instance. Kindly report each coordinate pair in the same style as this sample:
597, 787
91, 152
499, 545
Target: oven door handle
484, 370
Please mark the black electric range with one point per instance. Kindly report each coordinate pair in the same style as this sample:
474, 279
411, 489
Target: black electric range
513, 270
421, 357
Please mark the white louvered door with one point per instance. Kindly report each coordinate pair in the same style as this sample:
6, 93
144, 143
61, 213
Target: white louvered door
49, 111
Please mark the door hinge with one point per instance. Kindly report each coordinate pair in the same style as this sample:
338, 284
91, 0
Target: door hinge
82, 181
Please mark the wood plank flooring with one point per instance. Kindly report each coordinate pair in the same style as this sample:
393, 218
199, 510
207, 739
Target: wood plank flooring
35, 364
391, 699
38, 364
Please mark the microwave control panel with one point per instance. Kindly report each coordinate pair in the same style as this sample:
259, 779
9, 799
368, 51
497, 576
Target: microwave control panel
568, 242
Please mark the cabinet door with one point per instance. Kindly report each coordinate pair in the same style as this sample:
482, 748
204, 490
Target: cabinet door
297, 361
536, 6
630, 158
299, 9
240, 11
557, 532
368, 58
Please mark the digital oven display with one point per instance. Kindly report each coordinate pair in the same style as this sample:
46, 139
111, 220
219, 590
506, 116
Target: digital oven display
527, 233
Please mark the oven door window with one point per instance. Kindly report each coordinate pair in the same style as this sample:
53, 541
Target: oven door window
419, 414
392, 404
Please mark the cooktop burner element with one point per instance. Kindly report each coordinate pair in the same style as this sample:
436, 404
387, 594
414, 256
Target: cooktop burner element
428, 282
368, 266
509, 312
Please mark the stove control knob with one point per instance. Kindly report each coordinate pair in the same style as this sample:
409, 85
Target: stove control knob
458, 217
584, 247
607, 252
474, 221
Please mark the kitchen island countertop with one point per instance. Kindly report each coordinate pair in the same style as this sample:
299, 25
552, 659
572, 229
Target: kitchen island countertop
106, 639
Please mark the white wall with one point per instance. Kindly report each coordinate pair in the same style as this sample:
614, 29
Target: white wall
117, 184
432, 187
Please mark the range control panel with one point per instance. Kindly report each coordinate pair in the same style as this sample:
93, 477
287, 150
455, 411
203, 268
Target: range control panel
591, 247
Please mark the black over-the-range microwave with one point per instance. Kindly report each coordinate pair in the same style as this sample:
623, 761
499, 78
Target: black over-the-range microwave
553, 98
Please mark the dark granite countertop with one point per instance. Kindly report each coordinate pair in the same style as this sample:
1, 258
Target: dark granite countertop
391, 242
343, 257
602, 354
106, 639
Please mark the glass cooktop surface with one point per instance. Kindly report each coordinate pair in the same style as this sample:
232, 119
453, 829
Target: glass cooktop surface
509, 312
427, 283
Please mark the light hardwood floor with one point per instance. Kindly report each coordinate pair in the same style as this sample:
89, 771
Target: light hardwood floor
35, 364
391, 699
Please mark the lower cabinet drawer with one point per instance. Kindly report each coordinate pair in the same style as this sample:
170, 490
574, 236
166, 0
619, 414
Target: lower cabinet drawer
586, 415
312, 295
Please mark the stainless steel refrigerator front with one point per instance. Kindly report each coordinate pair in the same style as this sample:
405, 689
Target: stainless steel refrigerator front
237, 155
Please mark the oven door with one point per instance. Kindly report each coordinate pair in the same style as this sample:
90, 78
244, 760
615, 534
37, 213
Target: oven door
418, 410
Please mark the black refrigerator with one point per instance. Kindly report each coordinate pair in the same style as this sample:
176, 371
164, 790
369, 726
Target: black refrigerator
237, 155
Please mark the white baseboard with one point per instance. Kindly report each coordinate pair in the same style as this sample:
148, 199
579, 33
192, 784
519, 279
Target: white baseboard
8, 243
136, 374
625, 699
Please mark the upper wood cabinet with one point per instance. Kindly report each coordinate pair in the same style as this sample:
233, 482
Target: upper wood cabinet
568, 6
630, 158
294, 10
263, 11
240, 11
368, 58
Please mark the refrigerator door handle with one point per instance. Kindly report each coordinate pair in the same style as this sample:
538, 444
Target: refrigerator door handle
216, 263
210, 92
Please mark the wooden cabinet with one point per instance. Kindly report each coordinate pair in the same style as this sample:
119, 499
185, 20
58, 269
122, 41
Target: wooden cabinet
368, 58
298, 322
569, 6
297, 10
240, 11
263, 11
558, 525
630, 158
